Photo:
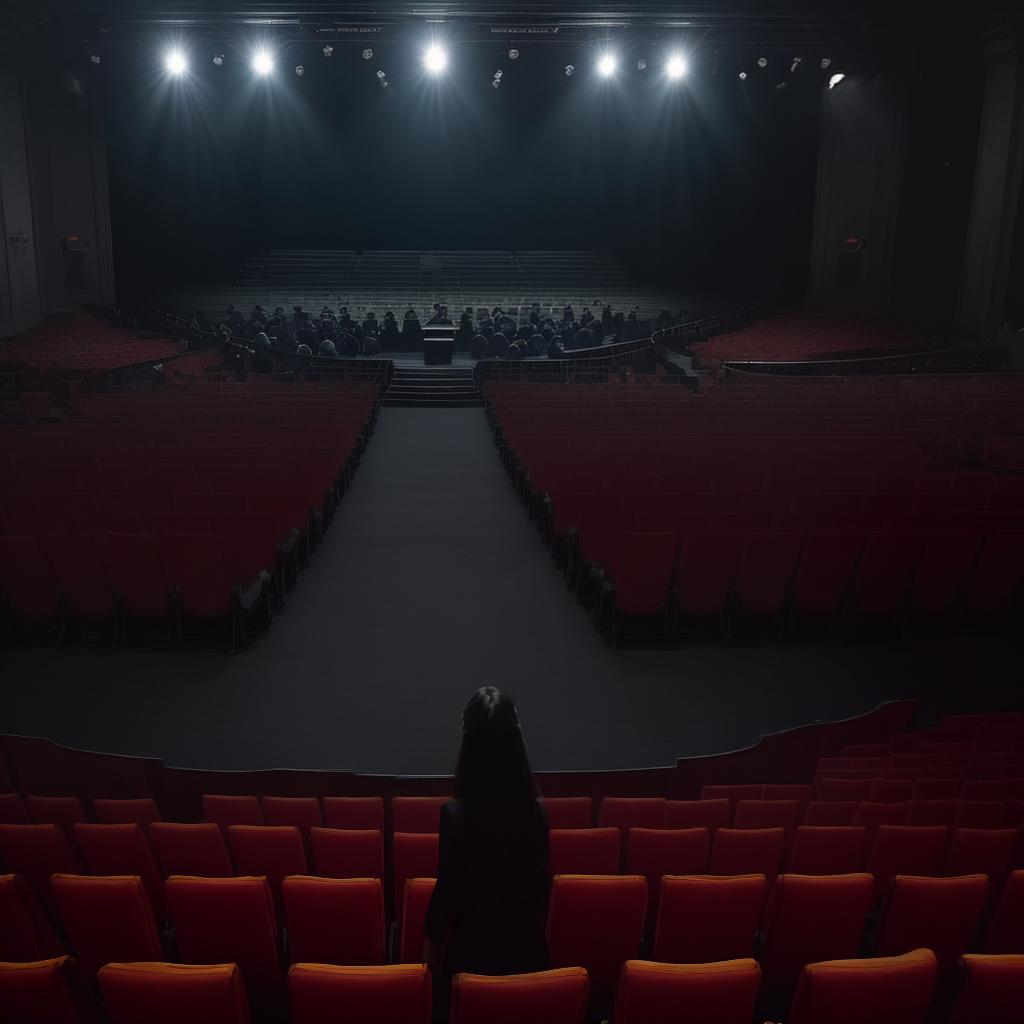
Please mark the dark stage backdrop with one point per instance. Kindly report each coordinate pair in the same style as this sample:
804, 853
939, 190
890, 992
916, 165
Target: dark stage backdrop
705, 182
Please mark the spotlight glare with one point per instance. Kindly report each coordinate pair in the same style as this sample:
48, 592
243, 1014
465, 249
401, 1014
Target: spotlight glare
175, 62
569, 71
513, 54
836, 79
743, 76
367, 54
262, 62
826, 63
641, 64
300, 70
607, 65
762, 62
676, 66
218, 59
435, 59
328, 50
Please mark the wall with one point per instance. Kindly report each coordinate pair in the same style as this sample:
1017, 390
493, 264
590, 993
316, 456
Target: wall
860, 170
984, 281
53, 184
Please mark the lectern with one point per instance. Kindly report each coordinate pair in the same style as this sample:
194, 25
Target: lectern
438, 344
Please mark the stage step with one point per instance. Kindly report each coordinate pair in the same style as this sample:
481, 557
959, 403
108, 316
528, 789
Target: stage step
442, 387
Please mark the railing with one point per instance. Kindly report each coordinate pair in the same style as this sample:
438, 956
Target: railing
961, 360
681, 336
582, 365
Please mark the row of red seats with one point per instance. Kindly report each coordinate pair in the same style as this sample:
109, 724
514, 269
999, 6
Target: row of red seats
894, 990
594, 922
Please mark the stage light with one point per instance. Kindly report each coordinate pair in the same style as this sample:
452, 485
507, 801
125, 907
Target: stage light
218, 59
435, 59
835, 79
175, 62
607, 65
262, 62
796, 64
300, 71
328, 50
95, 58
513, 54
569, 71
381, 76
743, 76
826, 63
367, 54
641, 64
496, 83
762, 62
676, 66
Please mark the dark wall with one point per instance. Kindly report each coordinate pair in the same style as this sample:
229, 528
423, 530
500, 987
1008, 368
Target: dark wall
707, 181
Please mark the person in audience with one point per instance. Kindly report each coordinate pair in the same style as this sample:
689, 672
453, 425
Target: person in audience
489, 907
327, 349
389, 334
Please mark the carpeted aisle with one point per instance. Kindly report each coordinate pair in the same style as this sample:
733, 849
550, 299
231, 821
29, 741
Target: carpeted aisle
430, 583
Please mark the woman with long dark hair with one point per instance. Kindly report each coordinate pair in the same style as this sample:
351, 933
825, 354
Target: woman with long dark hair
489, 908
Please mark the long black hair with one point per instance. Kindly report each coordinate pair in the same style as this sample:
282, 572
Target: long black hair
493, 773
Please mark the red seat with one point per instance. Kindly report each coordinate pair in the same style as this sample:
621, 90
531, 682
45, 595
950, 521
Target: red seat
844, 789
26, 934
568, 811
596, 922
122, 850
417, 813
640, 568
942, 912
707, 565
768, 814
85, 585
907, 850
160, 993
891, 791
933, 812
983, 851
935, 789
802, 794
709, 814
144, 811
232, 810
414, 855
584, 851
348, 853
702, 918
810, 919
107, 918
828, 850
625, 813
998, 573
981, 814
197, 568
136, 567
229, 920
190, 849
1006, 930
747, 852
766, 572
946, 562
28, 584
992, 990
335, 920
872, 816
37, 852
656, 993
301, 811
415, 902
882, 583
734, 794
546, 997
37, 993
63, 811
884, 990
13, 810
361, 813
654, 852
386, 994
825, 572
831, 813
274, 851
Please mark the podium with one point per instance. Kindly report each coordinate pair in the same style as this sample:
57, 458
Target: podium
438, 344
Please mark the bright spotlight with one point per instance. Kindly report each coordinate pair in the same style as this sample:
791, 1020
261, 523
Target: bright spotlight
607, 65
175, 62
676, 66
262, 62
435, 59
835, 79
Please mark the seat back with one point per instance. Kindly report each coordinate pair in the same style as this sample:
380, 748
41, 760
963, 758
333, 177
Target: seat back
933, 812
545, 997
992, 990
37, 852
190, 849
360, 813
63, 811
159, 993
107, 918
733, 793
13, 810
767, 570
386, 994
303, 812
983, 851
142, 811
231, 810
836, 850
274, 851
414, 915
584, 851
884, 990
596, 922
414, 855
348, 853
28, 584
335, 920
768, 814
813, 918
724, 992
135, 564
939, 912
709, 814
417, 813
26, 934
907, 850
38, 991
197, 567
122, 850
229, 920
1006, 929
825, 813
654, 852
568, 811
738, 851
825, 571
704, 918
